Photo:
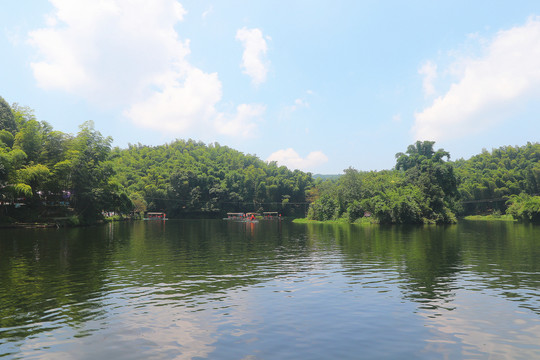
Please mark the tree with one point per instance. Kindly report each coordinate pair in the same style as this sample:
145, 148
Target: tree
325, 208
426, 169
139, 204
22, 114
29, 140
524, 207
55, 146
6, 138
7, 119
5, 167
34, 176
497, 175
89, 172
350, 186
418, 153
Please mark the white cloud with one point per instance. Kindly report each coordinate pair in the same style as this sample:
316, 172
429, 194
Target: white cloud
127, 54
301, 103
488, 86
244, 123
298, 103
108, 52
429, 71
253, 58
207, 12
291, 159
185, 102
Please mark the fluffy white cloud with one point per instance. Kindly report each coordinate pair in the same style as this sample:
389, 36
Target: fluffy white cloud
127, 54
253, 58
185, 102
291, 159
429, 71
506, 73
243, 123
108, 51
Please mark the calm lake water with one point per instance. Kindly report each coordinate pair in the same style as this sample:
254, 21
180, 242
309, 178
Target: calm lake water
227, 290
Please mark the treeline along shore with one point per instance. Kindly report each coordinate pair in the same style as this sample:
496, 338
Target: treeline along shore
50, 176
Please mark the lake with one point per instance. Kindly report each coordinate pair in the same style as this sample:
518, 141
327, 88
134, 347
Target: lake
214, 289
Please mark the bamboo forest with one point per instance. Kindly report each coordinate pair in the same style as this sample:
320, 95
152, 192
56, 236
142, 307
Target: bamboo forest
48, 175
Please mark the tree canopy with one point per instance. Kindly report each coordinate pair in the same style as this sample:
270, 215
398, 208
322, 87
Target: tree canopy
190, 177
421, 189
81, 175
40, 165
52, 172
7, 118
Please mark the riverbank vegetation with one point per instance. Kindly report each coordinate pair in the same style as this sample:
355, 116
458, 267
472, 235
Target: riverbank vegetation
189, 178
426, 187
421, 189
47, 175
490, 217
77, 179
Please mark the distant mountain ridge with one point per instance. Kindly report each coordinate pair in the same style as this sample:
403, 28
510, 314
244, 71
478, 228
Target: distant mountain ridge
327, 176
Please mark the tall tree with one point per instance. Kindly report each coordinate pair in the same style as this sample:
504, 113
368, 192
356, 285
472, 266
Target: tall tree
29, 139
7, 119
89, 172
22, 114
425, 168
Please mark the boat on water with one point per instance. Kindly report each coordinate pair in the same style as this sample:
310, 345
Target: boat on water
252, 217
243, 217
235, 216
271, 215
155, 216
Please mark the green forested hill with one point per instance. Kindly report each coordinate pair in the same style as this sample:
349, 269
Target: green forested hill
424, 188
188, 177
502, 172
49, 174
326, 176
496, 175
421, 189
46, 173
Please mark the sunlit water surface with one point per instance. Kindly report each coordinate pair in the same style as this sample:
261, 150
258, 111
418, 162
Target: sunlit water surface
270, 290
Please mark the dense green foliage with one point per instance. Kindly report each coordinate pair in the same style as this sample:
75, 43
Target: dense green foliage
422, 189
7, 118
524, 207
62, 175
188, 177
425, 188
488, 179
46, 173
52, 174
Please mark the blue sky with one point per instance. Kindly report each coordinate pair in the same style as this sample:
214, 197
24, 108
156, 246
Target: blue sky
314, 85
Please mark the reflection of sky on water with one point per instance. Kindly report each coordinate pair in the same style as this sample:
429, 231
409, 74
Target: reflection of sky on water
128, 331
285, 318
327, 294
318, 310
482, 325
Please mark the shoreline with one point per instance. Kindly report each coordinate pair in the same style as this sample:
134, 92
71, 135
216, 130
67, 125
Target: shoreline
56, 224
501, 218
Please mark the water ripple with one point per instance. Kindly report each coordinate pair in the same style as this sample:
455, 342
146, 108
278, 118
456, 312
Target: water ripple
213, 290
